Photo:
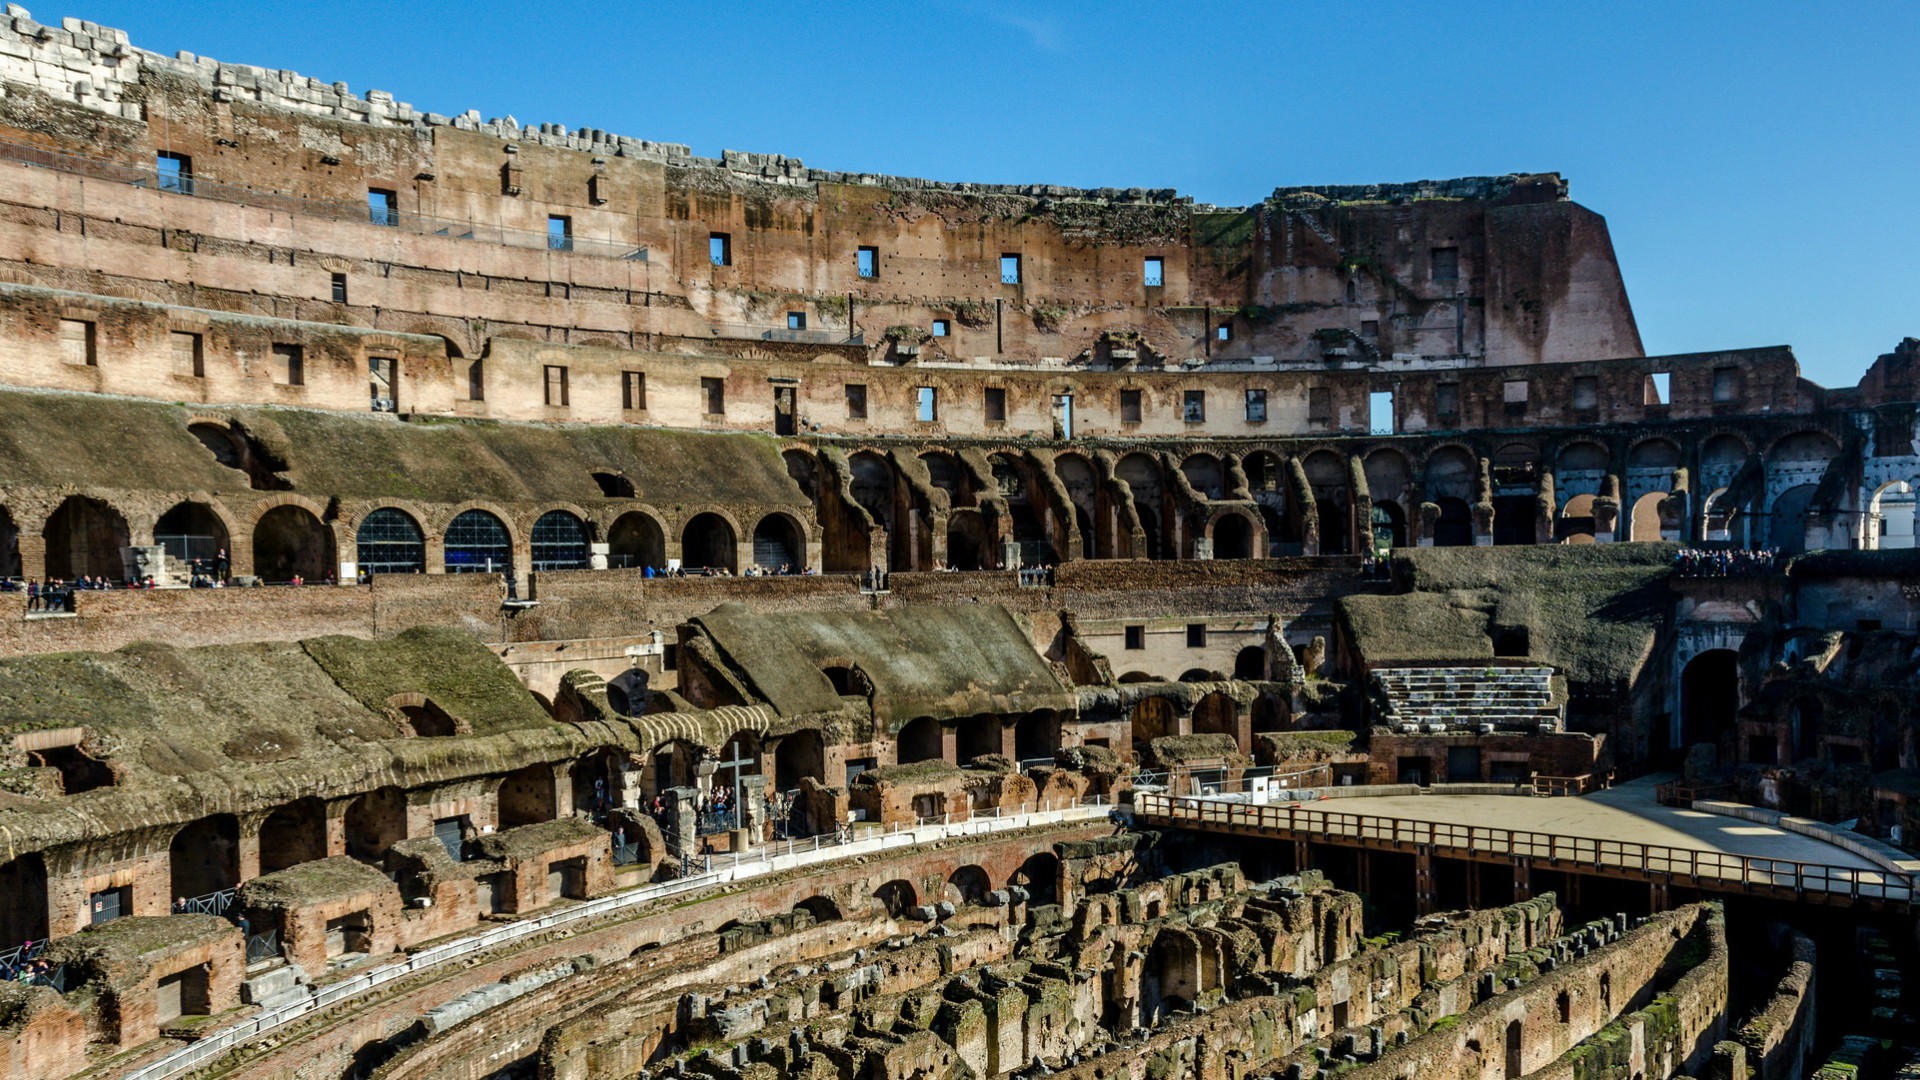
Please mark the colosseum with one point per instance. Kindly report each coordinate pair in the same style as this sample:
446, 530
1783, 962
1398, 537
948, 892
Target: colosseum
498, 602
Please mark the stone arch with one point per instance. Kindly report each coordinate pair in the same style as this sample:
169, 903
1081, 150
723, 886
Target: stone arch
204, 856
293, 834
1035, 735
1327, 475
478, 541
821, 908
977, 736
1216, 714
1891, 508
86, 537
1082, 484
560, 540
1389, 475
1040, 876
672, 763
1451, 473
526, 796
969, 546
1205, 475
1265, 472
741, 746
1580, 468
193, 529
389, 540
375, 822
290, 540
709, 541
1788, 519
1644, 525
968, 885
1152, 718
896, 897
1389, 527
1233, 536
1576, 522
637, 538
1454, 526
1250, 663
779, 540
1709, 698
945, 471
1145, 481
798, 756
919, 740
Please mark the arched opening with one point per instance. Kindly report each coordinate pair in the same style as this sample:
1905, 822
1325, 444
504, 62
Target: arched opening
821, 908
1269, 714
233, 446
919, 740
1788, 521
478, 543
1151, 718
1454, 526
1333, 527
1233, 537
1216, 714
1576, 522
1645, 522
427, 720
708, 543
636, 541
1040, 876
968, 885
1807, 723
672, 765
1892, 508
375, 822
23, 899
294, 834
1205, 475
87, 538
1175, 960
1150, 528
612, 485
1250, 663
1035, 735
967, 545
896, 897
526, 796
799, 756
739, 759
389, 541
977, 737
204, 856
1709, 698
1515, 1060
778, 545
290, 542
1389, 527
9, 545
597, 780
559, 542
947, 474
191, 531
1143, 479
1200, 674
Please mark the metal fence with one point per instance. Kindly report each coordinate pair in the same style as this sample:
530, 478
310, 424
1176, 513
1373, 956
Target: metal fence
214, 903
721, 870
263, 946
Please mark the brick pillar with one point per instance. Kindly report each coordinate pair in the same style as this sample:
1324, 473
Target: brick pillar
949, 744
247, 854
337, 827
1009, 740
33, 555
1423, 881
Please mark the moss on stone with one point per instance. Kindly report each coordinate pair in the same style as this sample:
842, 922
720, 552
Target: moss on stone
336, 878
458, 673
536, 839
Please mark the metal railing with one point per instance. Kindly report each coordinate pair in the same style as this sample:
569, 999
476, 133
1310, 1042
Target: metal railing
709, 822
263, 946
1682, 794
214, 903
197, 187
1706, 868
722, 870
626, 854
24, 953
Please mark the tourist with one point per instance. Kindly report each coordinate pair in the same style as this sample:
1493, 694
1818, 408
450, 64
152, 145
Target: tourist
33, 594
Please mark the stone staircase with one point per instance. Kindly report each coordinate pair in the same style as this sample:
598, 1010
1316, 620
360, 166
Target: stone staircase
1468, 699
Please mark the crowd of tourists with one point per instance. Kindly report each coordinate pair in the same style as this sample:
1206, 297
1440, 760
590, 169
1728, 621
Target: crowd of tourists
1726, 562
783, 570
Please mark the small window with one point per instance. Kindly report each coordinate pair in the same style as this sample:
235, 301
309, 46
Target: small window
996, 405
868, 262
1256, 406
1659, 386
1223, 332
1446, 264
1726, 384
633, 391
1319, 405
1194, 407
381, 376
1136, 637
289, 365
383, 207
1370, 328
856, 401
1129, 406
670, 657
942, 328
796, 320
715, 391
559, 233
1380, 414
927, 407
1446, 400
556, 386
720, 249
175, 172
189, 356
1196, 635
1154, 272
1514, 392
1010, 269
1586, 393
339, 288
77, 342
477, 381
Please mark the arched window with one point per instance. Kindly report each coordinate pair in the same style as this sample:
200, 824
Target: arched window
559, 542
390, 542
477, 543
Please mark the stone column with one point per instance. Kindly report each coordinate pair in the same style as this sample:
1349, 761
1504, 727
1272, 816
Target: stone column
683, 826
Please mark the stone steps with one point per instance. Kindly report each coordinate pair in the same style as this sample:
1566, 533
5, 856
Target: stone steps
1469, 698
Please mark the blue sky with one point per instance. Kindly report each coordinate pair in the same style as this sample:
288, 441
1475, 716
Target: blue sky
1759, 163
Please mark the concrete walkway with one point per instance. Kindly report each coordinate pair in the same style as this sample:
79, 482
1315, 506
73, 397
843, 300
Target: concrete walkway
1627, 812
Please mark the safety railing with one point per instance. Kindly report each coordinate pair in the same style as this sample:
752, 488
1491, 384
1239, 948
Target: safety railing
1682, 794
1744, 872
709, 822
214, 903
197, 187
721, 870
1562, 785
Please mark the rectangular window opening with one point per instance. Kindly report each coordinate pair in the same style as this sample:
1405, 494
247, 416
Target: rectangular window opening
382, 379
383, 206
175, 172
339, 288
1514, 392
868, 262
796, 320
289, 365
189, 355
942, 328
1446, 264
77, 342
715, 391
1319, 405
1194, 406
996, 405
556, 386
1369, 328
1256, 406
926, 405
1380, 412
720, 249
1196, 635
1446, 401
1010, 269
633, 391
1129, 406
856, 401
1223, 332
1659, 386
1136, 637
477, 381
559, 232
1726, 384
1154, 272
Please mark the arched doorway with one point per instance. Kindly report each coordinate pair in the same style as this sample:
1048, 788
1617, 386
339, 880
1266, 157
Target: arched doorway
1513, 519
1709, 698
708, 543
968, 885
1233, 537
204, 856
976, 737
288, 542
1250, 663
967, 545
897, 897
1454, 526
919, 740
1389, 527
190, 531
9, 545
800, 755
1040, 876
1216, 714
87, 538
636, 541
389, 541
294, 834
1645, 522
778, 545
1576, 522
478, 543
374, 822
559, 542
1151, 718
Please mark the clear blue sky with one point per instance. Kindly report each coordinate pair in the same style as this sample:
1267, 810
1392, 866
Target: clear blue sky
1759, 163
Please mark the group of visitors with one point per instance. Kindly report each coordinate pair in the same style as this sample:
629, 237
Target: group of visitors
756, 570
209, 573
36, 972
1035, 577
1375, 568
1726, 562
58, 594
